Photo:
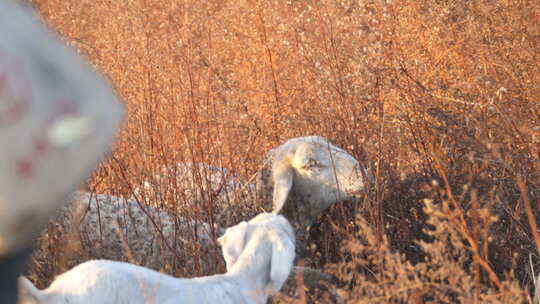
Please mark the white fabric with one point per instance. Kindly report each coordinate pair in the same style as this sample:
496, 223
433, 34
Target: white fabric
57, 119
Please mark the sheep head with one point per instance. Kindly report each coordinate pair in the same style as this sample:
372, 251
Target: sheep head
264, 229
232, 243
307, 175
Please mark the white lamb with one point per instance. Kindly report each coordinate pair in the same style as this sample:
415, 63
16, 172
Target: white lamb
259, 256
306, 175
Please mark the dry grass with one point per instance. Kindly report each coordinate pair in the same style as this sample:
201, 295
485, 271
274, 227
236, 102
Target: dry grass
439, 98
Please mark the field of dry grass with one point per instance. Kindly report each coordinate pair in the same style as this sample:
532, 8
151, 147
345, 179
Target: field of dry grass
441, 99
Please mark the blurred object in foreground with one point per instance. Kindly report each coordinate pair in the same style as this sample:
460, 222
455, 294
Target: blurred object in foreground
57, 120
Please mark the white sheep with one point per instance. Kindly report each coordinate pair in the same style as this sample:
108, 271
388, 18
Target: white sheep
306, 175
259, 256
110, 227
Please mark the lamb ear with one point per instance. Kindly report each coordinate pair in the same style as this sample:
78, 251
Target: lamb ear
283, 180
234, 239
240, 235
283, 253
221, 240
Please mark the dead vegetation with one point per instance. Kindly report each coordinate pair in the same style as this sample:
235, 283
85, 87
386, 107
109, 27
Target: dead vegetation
440, 98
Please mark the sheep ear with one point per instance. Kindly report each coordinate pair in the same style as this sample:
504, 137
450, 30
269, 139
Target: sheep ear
221, 240
281, 261
283, 180
236, 239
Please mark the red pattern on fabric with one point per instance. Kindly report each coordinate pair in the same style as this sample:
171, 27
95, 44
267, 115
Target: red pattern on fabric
18, 98
41, 146
25, 168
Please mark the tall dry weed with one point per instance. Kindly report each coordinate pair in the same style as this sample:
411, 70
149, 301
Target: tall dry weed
420, 91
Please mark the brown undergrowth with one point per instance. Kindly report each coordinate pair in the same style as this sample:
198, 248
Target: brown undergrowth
439, 99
